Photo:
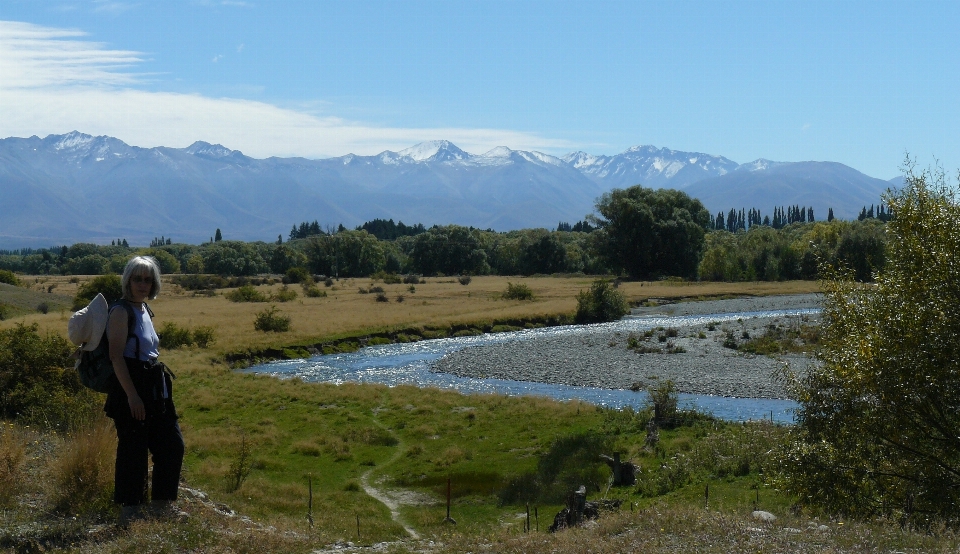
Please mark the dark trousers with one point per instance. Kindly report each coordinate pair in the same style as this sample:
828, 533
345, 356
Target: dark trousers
158, 435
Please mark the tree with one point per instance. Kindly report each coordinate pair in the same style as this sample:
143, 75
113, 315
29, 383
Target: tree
602, 303
218, 237
878, 429
651, 233
450, 250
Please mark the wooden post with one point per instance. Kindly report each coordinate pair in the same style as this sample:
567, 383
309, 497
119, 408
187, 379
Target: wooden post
358, 526
706, 496
449, 519
310, 500
536, 515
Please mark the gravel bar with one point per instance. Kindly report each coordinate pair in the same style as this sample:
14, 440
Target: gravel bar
601, 358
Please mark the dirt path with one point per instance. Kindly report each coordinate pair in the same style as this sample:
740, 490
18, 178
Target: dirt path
391, 499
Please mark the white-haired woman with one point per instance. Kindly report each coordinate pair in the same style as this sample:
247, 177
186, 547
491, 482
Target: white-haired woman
141, 405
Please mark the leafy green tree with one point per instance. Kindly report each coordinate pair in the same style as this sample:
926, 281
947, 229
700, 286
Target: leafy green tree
109, 285
9, 278
450, 250
167, 261
93, 264
601, 303
36, 375
878, 429
233, 258
652, 233
345, 254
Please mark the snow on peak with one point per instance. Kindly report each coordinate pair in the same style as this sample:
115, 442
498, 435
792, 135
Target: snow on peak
72, 141
434, 151
758, 165
498, 152
208, 150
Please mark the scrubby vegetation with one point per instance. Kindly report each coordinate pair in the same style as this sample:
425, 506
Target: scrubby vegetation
601, 303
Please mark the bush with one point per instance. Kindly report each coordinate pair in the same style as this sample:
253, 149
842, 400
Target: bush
270, 320
204, 336
382, 297
9, 278
518, 292
43, 307
602, 303
246, 293
298, 275
879, 415
284, 295
312, 291
411, 279
464, 280
108, 285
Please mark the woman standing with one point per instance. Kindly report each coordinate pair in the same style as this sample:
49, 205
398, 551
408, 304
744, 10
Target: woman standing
141, 404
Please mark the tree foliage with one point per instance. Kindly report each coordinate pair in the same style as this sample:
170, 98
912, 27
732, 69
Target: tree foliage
652, 233
449, 250
879, 421
601, 303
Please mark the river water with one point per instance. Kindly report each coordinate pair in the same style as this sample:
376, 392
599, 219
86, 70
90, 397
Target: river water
411, 364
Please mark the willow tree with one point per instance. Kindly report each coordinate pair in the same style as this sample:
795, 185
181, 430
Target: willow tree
878, 428
652, 233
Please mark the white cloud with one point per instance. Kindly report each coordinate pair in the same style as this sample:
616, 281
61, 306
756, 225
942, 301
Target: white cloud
240, 48
53, 83
217, 58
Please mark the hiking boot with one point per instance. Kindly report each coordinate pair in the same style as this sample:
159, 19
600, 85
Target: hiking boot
167, 509
129, 514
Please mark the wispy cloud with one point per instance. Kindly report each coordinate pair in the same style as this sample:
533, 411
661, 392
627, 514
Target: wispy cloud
53, 82
217, 58
112, 6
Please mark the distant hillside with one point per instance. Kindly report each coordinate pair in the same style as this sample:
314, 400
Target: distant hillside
72, 188
820, 185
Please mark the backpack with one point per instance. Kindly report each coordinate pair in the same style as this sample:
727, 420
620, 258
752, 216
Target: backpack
94, 366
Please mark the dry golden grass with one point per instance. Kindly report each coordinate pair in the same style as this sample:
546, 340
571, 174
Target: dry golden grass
82, 473
437, 302
13, 456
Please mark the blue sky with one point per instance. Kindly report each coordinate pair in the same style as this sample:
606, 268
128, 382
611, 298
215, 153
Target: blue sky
859, 83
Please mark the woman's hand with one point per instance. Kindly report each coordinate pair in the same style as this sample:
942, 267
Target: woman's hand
137, 409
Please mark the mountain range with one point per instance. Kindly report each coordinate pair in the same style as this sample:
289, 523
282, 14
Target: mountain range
70, 188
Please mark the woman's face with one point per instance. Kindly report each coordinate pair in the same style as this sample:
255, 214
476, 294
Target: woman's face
140, 285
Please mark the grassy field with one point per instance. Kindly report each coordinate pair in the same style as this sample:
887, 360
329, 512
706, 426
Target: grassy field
262, 446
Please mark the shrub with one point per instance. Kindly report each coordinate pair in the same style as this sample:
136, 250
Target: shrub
298, 275
270, 320
411, 279
4, 310
602, 303
43, 307
204, 336
464, 280
284, 295
664, 400
400, 298
83, 473
312, 291
328, 282
174, 336
108, 285
518, 292
246, 293
37, 380
382, 297
9, 278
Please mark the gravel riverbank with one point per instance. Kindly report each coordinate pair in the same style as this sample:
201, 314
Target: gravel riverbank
700, 363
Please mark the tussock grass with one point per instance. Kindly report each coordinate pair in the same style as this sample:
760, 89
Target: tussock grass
82, 473
13, 457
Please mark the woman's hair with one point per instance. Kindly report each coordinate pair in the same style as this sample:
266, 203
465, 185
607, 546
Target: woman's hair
139, 265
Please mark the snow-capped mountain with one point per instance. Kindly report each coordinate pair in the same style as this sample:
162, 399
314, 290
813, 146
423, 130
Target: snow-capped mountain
72, 188
652, 166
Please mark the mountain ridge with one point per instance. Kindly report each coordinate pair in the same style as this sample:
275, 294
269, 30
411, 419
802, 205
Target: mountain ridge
68, 188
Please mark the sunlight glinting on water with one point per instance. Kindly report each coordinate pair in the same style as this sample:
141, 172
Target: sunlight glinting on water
412, 363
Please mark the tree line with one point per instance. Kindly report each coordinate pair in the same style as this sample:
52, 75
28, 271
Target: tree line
636, 232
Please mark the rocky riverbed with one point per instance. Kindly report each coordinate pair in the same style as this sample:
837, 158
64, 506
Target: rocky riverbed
695, 359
